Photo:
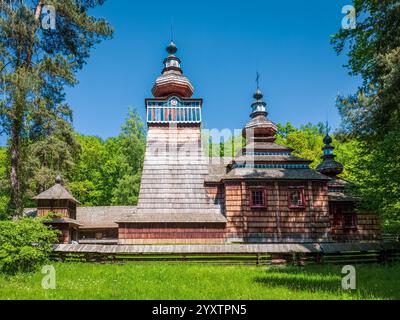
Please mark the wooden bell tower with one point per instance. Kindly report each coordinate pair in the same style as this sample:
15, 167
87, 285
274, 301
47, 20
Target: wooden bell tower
173, 203
58, 201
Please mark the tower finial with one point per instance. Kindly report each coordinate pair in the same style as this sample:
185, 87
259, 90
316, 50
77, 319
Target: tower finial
172, 49
258, 95
259, 107
258, 80
172, 29
327, 127
172, 80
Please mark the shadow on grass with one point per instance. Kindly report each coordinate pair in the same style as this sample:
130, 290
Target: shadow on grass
330, 281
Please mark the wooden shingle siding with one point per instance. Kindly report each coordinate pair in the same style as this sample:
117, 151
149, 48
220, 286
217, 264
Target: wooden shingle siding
367, 229
174, 174
164, 233
173, 194
276, 222
177, 241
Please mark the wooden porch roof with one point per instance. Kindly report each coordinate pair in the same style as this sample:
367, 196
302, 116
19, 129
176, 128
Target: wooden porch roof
223, 249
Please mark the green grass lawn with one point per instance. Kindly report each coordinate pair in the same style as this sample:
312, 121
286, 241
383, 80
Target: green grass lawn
192, 282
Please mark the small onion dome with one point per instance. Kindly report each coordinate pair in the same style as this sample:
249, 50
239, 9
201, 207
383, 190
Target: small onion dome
58, 179
259, 126
259, 107
330, 167
258, 95
172, 81
172, 48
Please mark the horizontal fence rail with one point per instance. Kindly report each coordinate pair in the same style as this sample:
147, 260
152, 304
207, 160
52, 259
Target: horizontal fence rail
387, 253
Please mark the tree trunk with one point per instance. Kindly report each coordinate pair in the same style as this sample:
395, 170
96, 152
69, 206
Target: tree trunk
16, 197
15, 149
38, 10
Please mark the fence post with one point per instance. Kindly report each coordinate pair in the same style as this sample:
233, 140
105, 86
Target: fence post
318, 258
383, 256
258, 259
294, 259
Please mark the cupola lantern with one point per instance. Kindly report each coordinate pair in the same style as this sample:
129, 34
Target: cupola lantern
329, 166
172, 81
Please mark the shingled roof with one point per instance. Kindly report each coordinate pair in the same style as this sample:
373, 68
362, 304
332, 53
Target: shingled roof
172, 187
103, 217
338, 183
271, 159
275, 174
337, 190
93, 217
341, 197
184, 216
56, 192
63, 221
217, 169
266, 146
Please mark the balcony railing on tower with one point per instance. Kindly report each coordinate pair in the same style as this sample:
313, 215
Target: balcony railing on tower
174, 111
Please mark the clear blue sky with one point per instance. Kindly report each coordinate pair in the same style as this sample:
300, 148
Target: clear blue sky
221, 44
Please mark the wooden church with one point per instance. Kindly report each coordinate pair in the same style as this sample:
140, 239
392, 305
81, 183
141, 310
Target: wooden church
263, 195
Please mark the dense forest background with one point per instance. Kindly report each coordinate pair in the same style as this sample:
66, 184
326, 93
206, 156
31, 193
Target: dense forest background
98, 172
107, 172
42, 142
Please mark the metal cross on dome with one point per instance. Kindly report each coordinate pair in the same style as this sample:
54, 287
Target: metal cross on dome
258, 80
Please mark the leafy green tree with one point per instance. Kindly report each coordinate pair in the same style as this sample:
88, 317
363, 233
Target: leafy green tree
133, 145
108, 172
285, 130
374, 54
126, 192
25, 244
307, 141
372, 114
86, 177
48, 157
36, 64
349, 153
377, 173
133, 137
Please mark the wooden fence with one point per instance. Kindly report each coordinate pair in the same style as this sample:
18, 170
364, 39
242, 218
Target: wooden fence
388, 252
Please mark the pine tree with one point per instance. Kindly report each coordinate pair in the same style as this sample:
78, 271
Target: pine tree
42, 45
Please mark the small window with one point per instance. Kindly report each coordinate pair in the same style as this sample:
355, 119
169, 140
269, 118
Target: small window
296, 198
349, 221
337, 220
258, 198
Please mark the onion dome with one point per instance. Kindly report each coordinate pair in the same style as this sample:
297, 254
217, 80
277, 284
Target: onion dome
259, 124
172, 81
329, 166
258, 95
259, 107
262, 157
172, 48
